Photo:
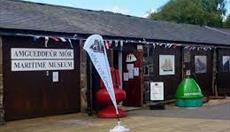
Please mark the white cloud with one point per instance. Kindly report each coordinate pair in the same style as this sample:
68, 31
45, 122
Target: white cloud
117, 9
224, 17
148, 13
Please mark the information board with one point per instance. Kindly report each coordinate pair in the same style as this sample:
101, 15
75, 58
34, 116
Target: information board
156, 91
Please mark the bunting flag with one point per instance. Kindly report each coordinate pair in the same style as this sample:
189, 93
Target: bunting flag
46, 41
95, 48
174, 46
70, 43
186, 47
170, 45
36, 38
62, 39
179, 44
55, 39
166, 45
121, 43
154, 45
108, 44
116, 43
75, 36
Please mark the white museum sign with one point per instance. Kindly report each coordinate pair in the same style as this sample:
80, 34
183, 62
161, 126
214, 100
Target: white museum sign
28, 59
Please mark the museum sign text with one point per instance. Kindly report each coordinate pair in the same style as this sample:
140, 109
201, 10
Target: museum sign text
28, 59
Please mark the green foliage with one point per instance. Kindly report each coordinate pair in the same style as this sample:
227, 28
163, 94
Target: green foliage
200, 12
227, 22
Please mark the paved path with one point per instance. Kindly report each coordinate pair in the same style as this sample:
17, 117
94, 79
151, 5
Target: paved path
214, 118
221, 111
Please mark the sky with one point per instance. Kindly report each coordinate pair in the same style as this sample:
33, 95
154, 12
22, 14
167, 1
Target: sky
138, 8
130, 7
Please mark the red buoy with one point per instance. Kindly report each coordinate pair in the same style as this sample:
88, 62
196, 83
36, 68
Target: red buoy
102, 96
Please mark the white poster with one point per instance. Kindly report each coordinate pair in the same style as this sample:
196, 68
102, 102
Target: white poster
166, 64
131, 75
130, 66
226, 63
136, 71
140, 47
28, 59
95, 48
156, 91
200, 64
55, 77
126, 76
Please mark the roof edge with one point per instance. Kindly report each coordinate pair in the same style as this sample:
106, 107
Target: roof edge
14, 32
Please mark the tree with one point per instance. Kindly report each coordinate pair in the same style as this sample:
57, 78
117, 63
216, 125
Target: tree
200, 12
227, 22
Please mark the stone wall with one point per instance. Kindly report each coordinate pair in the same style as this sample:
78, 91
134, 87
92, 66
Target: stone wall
83, 77
1, 87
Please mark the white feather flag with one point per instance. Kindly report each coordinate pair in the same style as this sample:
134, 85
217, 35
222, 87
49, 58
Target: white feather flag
94, 45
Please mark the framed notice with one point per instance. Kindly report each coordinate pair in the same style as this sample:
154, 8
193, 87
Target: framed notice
156, 91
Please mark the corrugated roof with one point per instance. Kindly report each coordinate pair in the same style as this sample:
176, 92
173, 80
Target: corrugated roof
41, 17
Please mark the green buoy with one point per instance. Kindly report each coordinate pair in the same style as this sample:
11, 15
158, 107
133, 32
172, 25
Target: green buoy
188, 94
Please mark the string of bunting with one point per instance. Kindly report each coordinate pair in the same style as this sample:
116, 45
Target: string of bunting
205, 48
56, 39
111, 43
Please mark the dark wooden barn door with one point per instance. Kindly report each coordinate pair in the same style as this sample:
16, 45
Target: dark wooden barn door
201, 69
30, 94
132, 84
223, 67
170, 79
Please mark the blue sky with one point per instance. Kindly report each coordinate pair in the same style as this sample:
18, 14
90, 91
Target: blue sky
131, 7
